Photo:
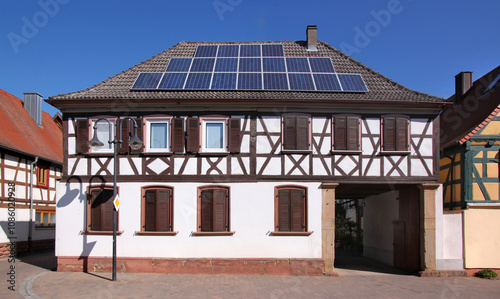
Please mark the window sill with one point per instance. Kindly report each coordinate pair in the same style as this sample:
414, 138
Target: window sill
403, 153
156, 154
213, 153
101, 233
203, 234
144, 233
284, 151
45, 227
346, 152
107, 154
298, 234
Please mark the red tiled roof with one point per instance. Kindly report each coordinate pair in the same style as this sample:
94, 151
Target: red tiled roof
477, 108
20, 133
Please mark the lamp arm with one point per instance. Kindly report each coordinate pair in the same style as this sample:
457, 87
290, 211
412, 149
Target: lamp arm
121, 125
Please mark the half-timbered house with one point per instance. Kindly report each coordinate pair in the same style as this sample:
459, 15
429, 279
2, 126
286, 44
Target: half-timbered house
30, 163
246, 147
469, 167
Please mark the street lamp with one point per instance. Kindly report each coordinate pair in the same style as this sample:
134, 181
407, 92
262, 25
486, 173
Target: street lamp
95, 144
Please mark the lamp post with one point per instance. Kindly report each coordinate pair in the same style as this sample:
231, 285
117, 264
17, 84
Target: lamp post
95, 144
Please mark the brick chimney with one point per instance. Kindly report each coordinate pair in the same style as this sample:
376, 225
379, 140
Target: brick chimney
33, 105
312, 38
463, 82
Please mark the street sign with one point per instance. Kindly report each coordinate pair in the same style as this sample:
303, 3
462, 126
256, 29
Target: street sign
116, 202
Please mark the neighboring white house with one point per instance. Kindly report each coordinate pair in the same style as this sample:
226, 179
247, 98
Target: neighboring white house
247, 145
30, 162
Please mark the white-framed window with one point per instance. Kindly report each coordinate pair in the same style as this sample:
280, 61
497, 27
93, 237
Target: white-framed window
158, 134
214, 135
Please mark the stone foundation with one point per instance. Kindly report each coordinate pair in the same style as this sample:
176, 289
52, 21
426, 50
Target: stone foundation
22, 247
303, 267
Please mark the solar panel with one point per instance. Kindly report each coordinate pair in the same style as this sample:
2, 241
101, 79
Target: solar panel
147, 81
173, 81
273, 65
179, 64
352, 82
226, 65
321, 65
250, 65
250, 51
228, 51
203, 65
297, 65
275, 81
198, 81
301, 82
249, 81
272, 51
206, 51
224, 81
327, 82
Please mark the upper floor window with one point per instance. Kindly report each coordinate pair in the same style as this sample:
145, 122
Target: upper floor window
296, 132
346, 133
290, 210
157, 209
158, 134
42, 176
213, 210
213, 134
103, 133
100, 209
395, 133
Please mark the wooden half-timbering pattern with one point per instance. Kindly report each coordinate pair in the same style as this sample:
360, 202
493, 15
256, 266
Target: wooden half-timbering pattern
16, 169
451, 176
256, 151
485, 183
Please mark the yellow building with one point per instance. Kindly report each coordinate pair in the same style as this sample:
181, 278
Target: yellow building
469, 165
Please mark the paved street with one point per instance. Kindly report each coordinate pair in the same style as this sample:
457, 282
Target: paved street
356, 282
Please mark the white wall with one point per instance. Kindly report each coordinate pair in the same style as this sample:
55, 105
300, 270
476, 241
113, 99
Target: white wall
251, 218
21, 230
449, 237
379, 213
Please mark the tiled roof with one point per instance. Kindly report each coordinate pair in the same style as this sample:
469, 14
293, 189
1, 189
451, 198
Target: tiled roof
20, 133
477, 108
380, 87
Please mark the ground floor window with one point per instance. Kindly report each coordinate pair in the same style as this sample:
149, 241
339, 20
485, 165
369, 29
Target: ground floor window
45, 218
100, 209
290, 209
213, 209
157, 209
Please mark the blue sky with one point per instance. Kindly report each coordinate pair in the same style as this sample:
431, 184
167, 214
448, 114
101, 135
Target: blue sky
60, 46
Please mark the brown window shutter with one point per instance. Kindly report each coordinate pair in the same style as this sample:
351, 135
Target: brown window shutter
389, 134
95, 210
140, 134
123, 147
163, 211
284, 210
220, 204
302, 132
234, 135
353, 133
290, 133
150, 210
402, 134
193, 135
206, 211
107, 210
178, 135
297, 204
82, 136
340, 133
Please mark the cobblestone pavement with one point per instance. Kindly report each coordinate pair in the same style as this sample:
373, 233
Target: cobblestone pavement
355, 283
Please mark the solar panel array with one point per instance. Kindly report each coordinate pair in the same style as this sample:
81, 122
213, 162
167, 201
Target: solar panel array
249, 67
